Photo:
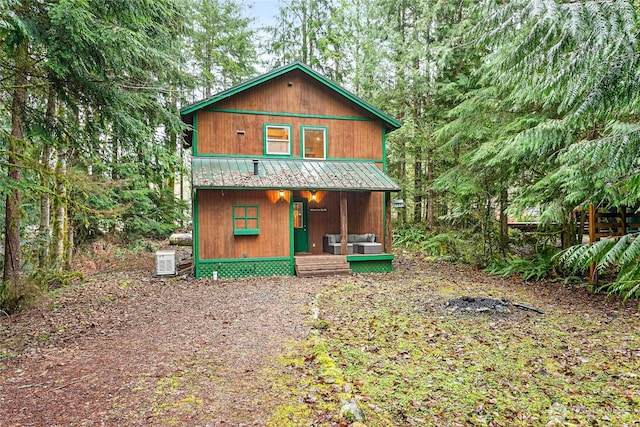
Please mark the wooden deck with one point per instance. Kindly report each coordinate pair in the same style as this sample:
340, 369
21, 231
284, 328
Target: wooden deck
321, 265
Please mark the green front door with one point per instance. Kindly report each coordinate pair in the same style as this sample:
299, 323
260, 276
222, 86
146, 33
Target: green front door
300, 226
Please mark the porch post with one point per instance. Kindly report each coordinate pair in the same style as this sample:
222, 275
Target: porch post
388, 237
343, 223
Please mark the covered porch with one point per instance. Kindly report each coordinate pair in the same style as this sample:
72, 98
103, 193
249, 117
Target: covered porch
347, 201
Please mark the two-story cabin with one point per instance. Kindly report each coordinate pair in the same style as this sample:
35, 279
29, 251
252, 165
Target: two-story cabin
289, 167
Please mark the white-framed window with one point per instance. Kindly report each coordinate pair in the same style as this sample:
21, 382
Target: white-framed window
277, 140
314, 142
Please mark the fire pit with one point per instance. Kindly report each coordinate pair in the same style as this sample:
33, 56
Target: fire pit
468, 304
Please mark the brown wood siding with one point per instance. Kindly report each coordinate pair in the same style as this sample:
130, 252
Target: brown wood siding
218, 132
304, 96
215, 225
355, 140
365, 215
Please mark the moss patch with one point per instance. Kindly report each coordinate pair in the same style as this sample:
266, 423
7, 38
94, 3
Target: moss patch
392, 346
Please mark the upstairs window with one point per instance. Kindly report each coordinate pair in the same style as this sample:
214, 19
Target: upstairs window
314, 142
277, 140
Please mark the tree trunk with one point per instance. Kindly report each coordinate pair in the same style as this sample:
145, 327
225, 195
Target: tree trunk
174, 148
115, 157
402, 172
304, 28
59, 229
487, 226
431, 196
417, 185
568, 237
45, 208
504, 226
11, 276
69, 255
45, 163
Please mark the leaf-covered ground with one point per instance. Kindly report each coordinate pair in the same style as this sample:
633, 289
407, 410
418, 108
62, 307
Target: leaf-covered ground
125, 348
390, 343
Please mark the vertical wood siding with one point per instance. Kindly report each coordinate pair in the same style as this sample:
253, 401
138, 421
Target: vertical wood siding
218, 131
215, 221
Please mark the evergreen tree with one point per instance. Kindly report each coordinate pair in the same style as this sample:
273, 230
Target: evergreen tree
315, 32
574, 67
223, 49
101, 65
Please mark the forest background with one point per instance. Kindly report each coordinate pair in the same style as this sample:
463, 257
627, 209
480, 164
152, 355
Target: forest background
509, 109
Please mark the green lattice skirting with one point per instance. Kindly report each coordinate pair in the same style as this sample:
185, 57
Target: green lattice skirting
371, 264
231, 268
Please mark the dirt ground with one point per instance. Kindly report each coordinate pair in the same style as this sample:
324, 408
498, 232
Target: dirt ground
131, 349
126, 348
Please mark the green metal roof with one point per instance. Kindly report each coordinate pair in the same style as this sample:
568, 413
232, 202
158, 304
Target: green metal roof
289, 174
390, 122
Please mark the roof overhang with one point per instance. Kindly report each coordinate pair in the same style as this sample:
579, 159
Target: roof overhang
288, 174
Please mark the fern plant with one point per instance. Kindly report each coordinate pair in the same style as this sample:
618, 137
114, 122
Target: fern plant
444, 244
619, 253
534, 269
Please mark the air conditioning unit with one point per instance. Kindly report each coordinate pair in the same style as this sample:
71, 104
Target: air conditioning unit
165, 263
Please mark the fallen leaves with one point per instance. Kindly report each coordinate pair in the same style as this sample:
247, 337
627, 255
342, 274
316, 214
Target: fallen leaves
427, 367
126, 348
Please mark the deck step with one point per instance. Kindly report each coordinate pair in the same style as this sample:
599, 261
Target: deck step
321, 265
316, 273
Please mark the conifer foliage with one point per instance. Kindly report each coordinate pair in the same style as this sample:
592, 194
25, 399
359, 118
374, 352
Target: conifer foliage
578, 61
506, 106
577, 65
89, 125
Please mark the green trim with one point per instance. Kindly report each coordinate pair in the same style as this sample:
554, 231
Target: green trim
245, 267
194, 137
392, 123
326, 141
301, 234
238, 260
249, 232
384, 150
196, 234
296, 115
291, 239
360, 160
246, 230
381, 266
280, 187
377, 257
264, 139
382, 263
271, 156
386, 193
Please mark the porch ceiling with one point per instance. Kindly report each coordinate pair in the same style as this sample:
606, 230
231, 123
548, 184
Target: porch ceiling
289, 174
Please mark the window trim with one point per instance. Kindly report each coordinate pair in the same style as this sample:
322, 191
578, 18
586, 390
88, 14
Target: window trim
325, 131
246, 217
265, 128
